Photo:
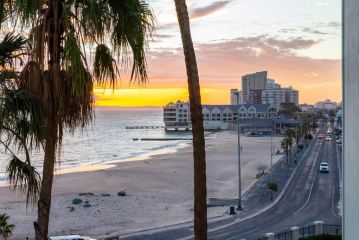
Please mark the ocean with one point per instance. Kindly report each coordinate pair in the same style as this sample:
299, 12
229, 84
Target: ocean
106, 139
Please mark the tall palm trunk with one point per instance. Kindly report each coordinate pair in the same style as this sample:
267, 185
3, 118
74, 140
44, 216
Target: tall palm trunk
55, 35
200, 190
44, 204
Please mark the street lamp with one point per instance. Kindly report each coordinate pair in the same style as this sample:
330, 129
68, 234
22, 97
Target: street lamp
239, 162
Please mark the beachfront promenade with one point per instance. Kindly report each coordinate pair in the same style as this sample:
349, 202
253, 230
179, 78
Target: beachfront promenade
306, 197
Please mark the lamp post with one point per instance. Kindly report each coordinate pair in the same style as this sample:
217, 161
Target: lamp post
271, 156
239, 207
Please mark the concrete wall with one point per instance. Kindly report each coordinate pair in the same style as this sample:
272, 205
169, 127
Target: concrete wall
351, 118
215, 125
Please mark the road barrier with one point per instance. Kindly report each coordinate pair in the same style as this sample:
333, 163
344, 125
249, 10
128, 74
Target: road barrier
295, 233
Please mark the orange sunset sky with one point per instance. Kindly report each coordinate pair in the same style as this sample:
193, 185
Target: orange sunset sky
297, 42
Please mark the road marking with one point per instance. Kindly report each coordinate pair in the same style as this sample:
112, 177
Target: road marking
253, 230
333, 211
311, 187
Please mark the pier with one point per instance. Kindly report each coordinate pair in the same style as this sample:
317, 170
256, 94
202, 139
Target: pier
145, 127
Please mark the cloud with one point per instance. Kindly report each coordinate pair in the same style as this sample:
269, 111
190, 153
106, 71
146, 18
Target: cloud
207, 10
313, 31
221, 65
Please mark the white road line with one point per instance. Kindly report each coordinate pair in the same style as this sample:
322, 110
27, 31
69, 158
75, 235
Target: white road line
253, 230
311, 187
279, 197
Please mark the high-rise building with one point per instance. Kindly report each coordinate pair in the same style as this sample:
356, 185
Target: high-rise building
276, 96
254, 81
236, 97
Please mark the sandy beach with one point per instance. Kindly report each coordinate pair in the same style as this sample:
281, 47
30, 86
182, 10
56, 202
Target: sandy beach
159, 189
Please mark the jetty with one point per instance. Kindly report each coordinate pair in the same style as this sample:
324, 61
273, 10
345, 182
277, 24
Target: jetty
145, 127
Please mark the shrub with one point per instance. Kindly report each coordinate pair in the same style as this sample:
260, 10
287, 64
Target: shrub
121, 193
76, 201
86, 194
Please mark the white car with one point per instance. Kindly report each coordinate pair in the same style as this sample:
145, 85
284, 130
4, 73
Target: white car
324, 167
328, 138
339, 141
71, 237
329, 130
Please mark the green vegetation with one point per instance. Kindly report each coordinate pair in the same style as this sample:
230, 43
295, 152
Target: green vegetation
105, 194
54, 91
121, 193
5, 227
86, 194
77, 201
288, 109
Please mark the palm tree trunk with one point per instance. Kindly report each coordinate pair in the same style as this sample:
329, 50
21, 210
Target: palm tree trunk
200, 190
56, 30
44, 204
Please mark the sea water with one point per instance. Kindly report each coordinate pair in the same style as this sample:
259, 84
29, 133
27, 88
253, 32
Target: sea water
106, 139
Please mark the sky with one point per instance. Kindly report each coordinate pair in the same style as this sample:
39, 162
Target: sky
297, 42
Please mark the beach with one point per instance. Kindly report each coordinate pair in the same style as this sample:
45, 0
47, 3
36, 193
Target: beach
159, 189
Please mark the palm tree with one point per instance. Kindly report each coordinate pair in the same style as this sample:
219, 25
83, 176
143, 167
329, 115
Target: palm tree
285, 145
290, 134
20, 119
200, 190
5, 227
58, 74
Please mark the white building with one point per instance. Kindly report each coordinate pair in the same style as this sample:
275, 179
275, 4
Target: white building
276, 96
327, 104
236, 97
177, 115
271, 84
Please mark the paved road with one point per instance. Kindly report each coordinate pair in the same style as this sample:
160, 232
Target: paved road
309, 197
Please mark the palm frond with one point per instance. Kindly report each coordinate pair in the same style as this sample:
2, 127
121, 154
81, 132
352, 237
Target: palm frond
12, 47
132, 22
75, 61
5, 227
104, 66
24, 177
28, 10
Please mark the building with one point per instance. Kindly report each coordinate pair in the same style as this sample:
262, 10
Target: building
236, 97
254, 81
177, 115
271, 84
277, 96
327, 104
306, 107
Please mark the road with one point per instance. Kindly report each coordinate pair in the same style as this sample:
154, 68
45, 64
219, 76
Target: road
310, 196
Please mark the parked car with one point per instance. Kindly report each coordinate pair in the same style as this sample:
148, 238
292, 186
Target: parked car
71, 237
339, 141
328, 138
324, 167
320, 136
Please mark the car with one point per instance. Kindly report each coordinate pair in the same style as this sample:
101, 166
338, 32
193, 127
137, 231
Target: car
320, 136
71, 237
324, 167
329, 130
328, 138
339, 141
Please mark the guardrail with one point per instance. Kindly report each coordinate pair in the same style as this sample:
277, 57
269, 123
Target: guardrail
296, 233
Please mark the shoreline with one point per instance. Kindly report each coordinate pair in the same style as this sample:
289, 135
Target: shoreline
159, 190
